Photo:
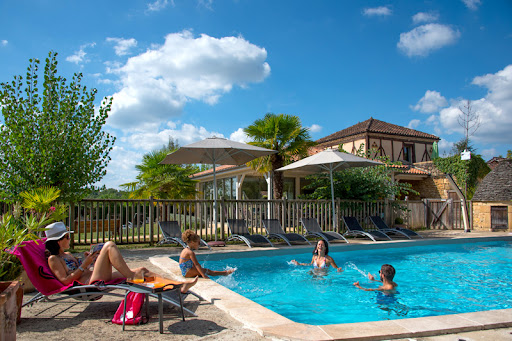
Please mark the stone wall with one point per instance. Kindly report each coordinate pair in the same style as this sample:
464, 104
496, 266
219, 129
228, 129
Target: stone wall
482, 214
433, 187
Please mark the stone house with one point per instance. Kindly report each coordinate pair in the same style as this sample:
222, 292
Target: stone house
492, 201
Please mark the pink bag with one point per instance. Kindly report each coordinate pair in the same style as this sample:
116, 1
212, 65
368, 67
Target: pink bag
134, 303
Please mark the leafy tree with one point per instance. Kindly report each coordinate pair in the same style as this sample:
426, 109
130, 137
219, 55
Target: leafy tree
465, 171
52, 136
283, 133
162, 181
509, 154
108, 193
366, 184
462, 145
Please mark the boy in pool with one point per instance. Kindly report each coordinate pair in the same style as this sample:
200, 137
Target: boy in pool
387, 273
189, 265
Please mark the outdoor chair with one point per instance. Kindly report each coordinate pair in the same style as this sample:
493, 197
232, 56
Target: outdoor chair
313, 229
239, 231
171, 233
32, 256
274, 230
355, 229
382, 226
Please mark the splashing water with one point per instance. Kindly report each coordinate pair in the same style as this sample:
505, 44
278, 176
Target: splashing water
353, 266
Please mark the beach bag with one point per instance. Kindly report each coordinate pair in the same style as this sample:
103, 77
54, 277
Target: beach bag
134, 303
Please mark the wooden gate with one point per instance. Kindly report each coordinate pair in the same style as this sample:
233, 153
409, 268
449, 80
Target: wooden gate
499, 218
444, 214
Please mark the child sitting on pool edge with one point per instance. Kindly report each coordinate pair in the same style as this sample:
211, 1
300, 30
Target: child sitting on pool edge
189, 265
387, 273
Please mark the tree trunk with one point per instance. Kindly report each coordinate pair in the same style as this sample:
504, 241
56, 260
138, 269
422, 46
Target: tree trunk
277, 162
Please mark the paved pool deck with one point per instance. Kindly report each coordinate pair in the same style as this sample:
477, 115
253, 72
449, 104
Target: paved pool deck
270, 324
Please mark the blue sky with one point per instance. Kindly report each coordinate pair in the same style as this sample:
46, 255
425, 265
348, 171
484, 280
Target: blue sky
191, 69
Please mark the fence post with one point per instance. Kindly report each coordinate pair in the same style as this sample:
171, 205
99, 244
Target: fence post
150, 221
222, 218
283, 212
72, 222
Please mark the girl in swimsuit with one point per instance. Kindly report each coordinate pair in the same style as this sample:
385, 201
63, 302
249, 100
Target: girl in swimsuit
188, 262
321, 259
68, 269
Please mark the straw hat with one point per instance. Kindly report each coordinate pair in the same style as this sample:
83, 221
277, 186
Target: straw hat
56, 231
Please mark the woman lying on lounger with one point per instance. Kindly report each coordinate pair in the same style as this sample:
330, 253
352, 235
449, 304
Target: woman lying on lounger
67, 268
321, 259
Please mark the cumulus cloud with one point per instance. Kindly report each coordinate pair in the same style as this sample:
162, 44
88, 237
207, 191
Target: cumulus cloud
431, 102
494, 110
472, 4
315, 128
426, 38
3, 42
377, 11
121, 168
422, 17
80, 56
239, 136
414, 124
121, 45
158, 5
156, 85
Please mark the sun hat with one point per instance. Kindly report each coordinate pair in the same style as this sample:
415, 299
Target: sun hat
56, 231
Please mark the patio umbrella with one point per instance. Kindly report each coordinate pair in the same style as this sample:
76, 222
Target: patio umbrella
216, 151
329, 160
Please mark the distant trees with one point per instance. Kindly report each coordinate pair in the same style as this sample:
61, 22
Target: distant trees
283, 133
52, 136
162, 181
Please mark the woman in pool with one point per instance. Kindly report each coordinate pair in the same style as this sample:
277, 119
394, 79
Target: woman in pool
188, 262
321, 259
68, 269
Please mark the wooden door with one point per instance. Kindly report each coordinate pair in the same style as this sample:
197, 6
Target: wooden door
499, 218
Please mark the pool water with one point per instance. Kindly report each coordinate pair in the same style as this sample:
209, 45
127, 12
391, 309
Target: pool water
432, 280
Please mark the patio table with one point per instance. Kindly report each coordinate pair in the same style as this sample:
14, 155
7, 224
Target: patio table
153, 286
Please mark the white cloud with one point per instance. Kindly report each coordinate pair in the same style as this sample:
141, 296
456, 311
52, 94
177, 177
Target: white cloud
445, 147
494, 110
377, 11
121, 168
239, 136
472, 4
431, 102
156, 85
79, 56
414, 124
3, 42
158, 5
315, 128
422, 17
426, 38
488, 154
122, 46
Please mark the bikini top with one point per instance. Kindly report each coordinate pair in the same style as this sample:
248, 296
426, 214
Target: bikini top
72, 263
322, 265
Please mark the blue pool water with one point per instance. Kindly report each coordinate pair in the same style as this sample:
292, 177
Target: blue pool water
432, 280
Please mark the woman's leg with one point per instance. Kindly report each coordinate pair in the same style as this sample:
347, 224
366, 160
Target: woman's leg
111, 257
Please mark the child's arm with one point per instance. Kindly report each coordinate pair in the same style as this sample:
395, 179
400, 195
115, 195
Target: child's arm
196, 264
333, 263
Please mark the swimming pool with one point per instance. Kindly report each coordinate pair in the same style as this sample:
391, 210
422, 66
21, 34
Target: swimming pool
433, 280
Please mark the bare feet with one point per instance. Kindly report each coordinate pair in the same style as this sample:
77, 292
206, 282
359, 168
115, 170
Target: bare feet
187, 284
230, 271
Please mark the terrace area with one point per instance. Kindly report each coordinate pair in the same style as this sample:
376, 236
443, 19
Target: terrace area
220, 318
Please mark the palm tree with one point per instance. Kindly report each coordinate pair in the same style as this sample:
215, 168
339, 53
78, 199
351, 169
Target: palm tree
283, 133
161, 181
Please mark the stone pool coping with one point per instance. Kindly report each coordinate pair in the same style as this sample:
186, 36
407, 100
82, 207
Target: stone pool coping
268, 323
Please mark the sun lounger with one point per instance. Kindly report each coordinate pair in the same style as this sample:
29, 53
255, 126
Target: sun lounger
171, 233
382, 226
239, 231
32, 257
355, 229
274, 230
313, 229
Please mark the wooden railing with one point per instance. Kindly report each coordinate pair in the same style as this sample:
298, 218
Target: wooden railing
136, 221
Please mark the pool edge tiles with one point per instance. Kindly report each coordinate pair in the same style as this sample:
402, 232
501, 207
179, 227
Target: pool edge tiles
268, 323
